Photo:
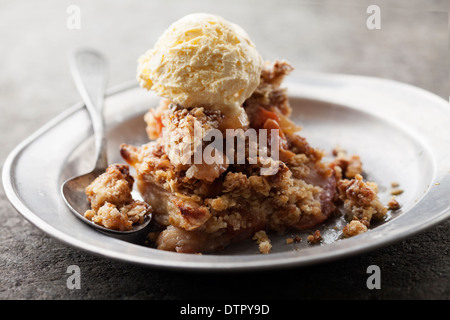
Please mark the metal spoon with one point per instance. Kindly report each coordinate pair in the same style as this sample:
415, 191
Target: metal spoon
88, 69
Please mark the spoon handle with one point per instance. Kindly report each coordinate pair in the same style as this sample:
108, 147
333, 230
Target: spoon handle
89, 71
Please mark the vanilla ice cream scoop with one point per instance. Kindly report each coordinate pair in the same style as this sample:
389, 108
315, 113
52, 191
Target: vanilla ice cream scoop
203, 60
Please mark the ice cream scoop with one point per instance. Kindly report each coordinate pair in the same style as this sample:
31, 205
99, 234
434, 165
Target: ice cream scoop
203, 60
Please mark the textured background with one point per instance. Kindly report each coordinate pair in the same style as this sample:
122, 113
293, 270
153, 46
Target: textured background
35, 85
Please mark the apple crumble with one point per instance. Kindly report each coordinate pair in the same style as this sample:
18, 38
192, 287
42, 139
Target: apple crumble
224, 161
204, 207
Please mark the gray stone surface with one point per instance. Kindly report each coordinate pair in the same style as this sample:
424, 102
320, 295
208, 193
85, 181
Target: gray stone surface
35, 86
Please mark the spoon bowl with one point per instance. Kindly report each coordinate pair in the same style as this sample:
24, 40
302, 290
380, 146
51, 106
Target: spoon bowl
89, 72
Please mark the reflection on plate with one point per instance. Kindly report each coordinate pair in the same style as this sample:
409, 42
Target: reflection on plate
400, 132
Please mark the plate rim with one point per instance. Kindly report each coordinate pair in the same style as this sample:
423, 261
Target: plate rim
50, 230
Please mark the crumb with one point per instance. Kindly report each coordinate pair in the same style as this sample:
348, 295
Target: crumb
350, 165
354, 228
395, 184
393, 204
263, 241
297, 239
336, 151
437, 183
289, 240
314, 238
396, 192
365, 222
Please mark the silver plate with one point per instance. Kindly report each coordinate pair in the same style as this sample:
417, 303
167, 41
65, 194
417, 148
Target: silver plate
402, 134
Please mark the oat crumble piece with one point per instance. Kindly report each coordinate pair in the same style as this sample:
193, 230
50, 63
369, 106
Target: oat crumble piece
350, 165
112, 204
263, 241
354, 228
393, 204
314, 238
396, 192
361, 204
360, 199
395, 184
295, 239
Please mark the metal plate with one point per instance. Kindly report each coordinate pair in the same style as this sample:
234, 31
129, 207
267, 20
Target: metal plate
401, 132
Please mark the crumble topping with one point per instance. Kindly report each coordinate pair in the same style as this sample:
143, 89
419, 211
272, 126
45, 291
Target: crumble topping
263, 241
396, 192
393, 204
354, 228
350, 165
111, 201
315, 238
295, 239
360, 202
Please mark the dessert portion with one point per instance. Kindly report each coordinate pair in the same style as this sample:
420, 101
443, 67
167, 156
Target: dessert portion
112, 204
204, 207
201, 206
224, 161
